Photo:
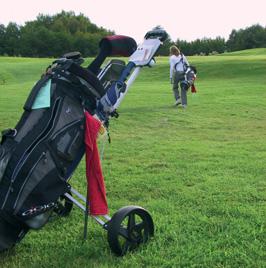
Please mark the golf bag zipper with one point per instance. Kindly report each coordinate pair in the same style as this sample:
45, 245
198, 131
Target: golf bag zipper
32, 147
64, 128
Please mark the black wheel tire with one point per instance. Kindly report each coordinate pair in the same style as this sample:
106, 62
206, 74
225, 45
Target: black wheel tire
64, 206
129, 227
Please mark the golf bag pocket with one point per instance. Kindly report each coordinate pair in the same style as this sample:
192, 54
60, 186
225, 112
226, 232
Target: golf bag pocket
67, 142
42, 186
42, 100
40, 95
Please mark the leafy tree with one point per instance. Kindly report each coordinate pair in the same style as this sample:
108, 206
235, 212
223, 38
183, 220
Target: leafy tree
2, 39
52, 36
250, 37
164, 50
11, 39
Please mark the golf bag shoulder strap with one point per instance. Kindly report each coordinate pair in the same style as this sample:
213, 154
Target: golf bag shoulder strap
181, 60
88, 76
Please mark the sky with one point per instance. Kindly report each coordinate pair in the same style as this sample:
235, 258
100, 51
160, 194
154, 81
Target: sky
186, 20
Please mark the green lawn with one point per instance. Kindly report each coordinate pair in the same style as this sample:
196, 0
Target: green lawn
200, 172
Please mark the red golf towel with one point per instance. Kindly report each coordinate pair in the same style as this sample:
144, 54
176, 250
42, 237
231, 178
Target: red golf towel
95, 181
193, 89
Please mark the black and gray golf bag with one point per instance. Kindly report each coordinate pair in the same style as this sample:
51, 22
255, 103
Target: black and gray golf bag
39, 155
189, 77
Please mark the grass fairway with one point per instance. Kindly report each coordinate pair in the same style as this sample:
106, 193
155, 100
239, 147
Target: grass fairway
200, 172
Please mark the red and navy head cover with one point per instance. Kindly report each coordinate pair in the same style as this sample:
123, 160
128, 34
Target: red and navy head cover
118, 45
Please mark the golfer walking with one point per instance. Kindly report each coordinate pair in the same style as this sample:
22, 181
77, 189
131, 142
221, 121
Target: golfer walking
178, 65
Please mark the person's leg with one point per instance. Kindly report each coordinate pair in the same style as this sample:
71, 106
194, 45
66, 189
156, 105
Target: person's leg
184, 88
175, 88
176, 93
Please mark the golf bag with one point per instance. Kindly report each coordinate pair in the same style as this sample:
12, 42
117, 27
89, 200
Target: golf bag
189, 78
39, 155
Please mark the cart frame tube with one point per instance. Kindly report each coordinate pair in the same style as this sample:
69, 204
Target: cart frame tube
83, 208
130, 81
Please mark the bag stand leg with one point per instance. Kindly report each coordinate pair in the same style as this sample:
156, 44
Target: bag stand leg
86, 216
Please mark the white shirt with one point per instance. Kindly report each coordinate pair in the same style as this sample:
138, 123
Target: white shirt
178, 62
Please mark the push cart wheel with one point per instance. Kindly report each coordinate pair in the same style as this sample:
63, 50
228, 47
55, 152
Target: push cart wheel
129, 227
63, 206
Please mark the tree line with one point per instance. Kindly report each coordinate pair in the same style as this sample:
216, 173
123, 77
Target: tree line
52, 36
250, 37
204, 46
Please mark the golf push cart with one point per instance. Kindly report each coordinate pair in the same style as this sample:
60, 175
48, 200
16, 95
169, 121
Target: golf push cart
39, 155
